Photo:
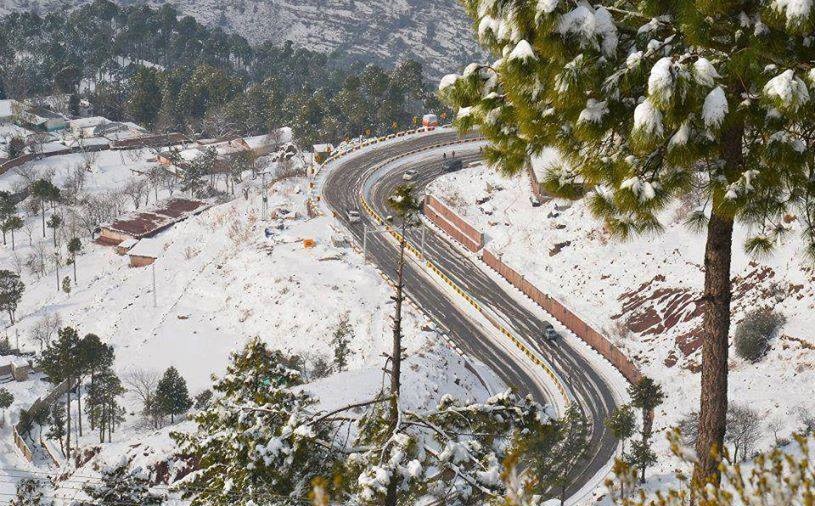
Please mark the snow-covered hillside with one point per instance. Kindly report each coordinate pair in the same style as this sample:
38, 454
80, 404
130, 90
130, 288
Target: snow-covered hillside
644, 294
220, 281
436, 33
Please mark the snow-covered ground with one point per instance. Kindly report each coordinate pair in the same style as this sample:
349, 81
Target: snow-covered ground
642, 293
219, 282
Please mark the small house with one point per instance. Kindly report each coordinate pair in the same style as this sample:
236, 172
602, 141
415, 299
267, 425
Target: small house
430, 120
42, 119
123, 247
141, 224
86, 127
145, 252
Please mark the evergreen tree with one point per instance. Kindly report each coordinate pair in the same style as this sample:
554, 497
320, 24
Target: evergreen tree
645, 395
450, 454
66, 284
57, 428
621, 423
60, 361
340, 342
44, 191
121, 485
172, 395
644, 101
556, 451
7, 210
253, 438
6, 399
54, 222
74, 247
31, 492
11, 291
102, 402
12, 224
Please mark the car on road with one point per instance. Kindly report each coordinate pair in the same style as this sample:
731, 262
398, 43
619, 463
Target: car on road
550, 335
354, 216
451, 165
409, 175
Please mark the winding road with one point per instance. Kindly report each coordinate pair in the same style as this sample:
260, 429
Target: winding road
352, 176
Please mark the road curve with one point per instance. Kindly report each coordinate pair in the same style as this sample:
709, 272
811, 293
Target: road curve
342, 189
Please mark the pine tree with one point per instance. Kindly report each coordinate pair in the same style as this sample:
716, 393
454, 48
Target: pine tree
340, 342
645, 395
254, 438
66, 284
74, 247
11, 291
60, 361
102, 405
405, 205
6, 399
54, 222
644, 101
31, 492
121, 485
621, 423
57, 427
172, 395
12, 224
556, 450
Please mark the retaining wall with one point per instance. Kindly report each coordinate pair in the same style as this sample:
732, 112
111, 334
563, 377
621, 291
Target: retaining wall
453, 224
562, 314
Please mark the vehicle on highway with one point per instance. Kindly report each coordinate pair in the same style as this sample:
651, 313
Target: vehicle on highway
409, 175
354, 216
550, 335
451, 165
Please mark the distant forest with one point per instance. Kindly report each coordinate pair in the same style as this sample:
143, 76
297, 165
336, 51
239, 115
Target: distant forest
170, 73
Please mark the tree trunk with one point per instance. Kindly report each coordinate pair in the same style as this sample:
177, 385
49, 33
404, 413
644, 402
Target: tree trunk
79, 404
42, 205
68, 423
74, 262
12, 239
396, 356
716, 326
716, 321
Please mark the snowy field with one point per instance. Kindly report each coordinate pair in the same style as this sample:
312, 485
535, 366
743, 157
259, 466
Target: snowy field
219, 282
643, 294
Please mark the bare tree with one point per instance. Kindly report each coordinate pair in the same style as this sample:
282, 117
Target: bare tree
36, 141
743, 430
142, 383
45, 329
135, 189
74, 184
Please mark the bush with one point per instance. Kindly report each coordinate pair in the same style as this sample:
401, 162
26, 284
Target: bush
755, 331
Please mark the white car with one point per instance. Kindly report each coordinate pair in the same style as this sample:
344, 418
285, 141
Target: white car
409, 175
353, 216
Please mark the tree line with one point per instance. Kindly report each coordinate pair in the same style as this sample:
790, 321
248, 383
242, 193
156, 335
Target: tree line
182, 76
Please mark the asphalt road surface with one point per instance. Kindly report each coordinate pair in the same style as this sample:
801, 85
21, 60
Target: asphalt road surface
342, 190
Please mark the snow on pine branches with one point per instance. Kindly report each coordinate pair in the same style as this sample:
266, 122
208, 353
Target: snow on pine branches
673, 82
261, 437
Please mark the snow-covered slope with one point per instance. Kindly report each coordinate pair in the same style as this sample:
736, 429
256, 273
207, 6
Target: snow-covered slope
221, 281
644, 293
434, 32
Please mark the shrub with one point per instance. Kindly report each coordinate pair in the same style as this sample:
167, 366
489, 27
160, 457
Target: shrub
754, 333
